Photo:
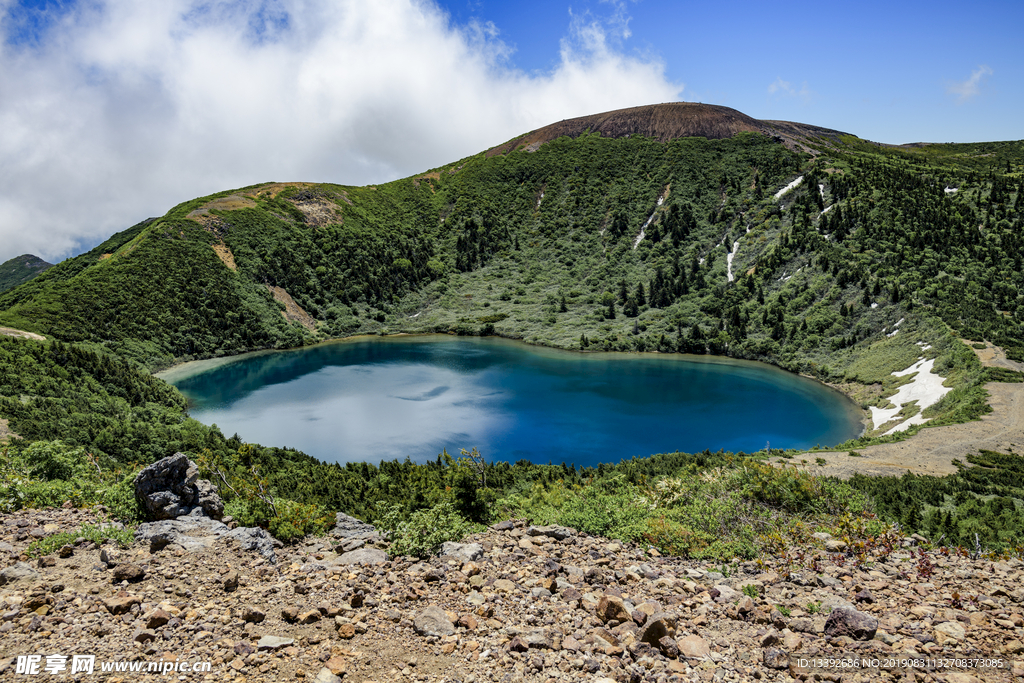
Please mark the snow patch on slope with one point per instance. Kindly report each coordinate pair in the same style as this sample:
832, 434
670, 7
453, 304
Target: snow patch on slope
792, 186
926, 388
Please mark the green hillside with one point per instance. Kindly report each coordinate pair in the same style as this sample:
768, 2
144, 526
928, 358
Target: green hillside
546, 246
580, 236
21, 269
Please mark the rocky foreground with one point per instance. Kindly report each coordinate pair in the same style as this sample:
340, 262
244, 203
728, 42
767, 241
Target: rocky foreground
515, 603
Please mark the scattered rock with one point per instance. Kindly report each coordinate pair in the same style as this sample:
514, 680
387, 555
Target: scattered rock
693, 647
253, 615
845, 621
775, 658
610, 607
144, 635
273, 643
559, 533
467, 552
433, 621
364, 556
128, 572
951, 630
580, 608
121, 603
326, 676
109, 557
669, 647
18, 572
196, 532
156, 618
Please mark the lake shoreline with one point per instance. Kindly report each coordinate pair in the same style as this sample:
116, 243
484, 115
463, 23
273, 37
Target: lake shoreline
660, 402
180, 371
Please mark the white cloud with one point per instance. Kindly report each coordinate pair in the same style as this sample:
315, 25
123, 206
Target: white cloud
965, 90
124, 109
781, 88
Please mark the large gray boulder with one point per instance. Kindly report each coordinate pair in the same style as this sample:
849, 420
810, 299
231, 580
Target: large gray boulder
347, 527
18, 572
195, 532
363, 556
467, 552
171, 488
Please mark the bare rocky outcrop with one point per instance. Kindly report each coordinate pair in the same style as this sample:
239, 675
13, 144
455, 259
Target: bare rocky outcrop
353, 534
187, 511
171, 488
195, 532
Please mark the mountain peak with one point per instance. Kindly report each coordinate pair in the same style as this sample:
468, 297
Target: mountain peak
665, 122
20, 269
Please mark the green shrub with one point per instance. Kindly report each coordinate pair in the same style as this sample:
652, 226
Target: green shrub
672, 538
13, 480
750, 590
600, 512
296, 520
48, 494
121, 501
51, 460
248, 512
422, 534
96, 533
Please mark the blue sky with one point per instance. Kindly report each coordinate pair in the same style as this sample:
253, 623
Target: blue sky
888, 71
113, 110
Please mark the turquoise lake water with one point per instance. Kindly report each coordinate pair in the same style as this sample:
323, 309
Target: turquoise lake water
373, 399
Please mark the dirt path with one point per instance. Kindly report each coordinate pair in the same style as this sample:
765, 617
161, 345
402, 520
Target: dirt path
933, 450
5, 432
20, 334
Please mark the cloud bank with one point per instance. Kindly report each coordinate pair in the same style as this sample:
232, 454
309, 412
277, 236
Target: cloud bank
114, 111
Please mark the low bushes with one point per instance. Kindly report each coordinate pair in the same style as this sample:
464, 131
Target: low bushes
739, 510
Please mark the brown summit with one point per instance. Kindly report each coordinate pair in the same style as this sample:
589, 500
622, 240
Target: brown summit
663, 122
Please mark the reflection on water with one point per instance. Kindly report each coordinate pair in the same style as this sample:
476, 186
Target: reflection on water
382, 399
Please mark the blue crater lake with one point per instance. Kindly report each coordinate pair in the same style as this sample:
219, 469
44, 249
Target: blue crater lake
373, 399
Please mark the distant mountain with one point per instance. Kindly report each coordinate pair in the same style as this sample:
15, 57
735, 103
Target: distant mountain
21, 269
665, 122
